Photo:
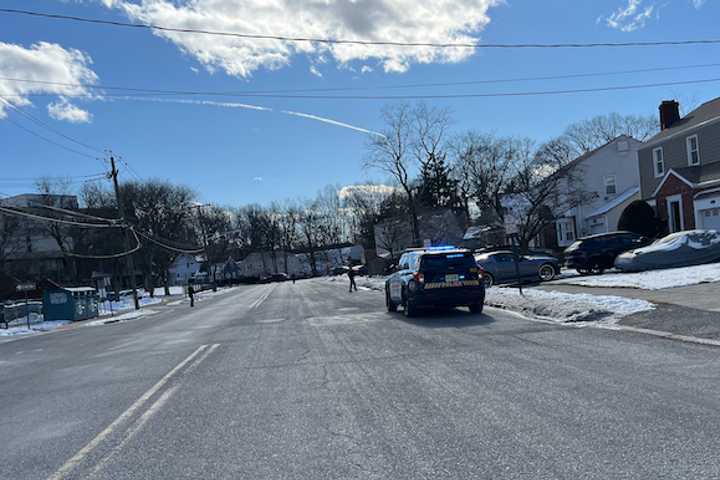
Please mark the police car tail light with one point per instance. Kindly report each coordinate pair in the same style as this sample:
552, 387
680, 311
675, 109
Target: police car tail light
419, 277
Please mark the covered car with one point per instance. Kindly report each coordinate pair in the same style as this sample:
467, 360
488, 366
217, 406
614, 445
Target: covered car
680, 249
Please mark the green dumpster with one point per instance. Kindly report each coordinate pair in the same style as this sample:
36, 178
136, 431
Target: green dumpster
77, 303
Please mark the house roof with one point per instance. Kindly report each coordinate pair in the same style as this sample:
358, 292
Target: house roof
700, 173
615, 202
705, 113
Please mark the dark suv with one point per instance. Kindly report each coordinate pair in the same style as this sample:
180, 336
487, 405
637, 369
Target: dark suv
597, 253
435, 277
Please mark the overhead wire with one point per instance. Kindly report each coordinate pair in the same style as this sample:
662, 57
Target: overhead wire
49, 127
159, 91
20, 213
50, 141
170, 247
138, 246
337, 41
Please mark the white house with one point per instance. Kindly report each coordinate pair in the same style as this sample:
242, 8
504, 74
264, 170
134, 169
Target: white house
610, 181
184, 267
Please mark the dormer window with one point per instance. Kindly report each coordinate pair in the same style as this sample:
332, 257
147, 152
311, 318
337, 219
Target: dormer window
693, 150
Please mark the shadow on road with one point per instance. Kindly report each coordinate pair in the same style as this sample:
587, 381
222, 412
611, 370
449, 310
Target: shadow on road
443, 318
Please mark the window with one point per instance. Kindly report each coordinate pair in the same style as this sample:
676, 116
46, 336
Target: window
658, 162
565, 231
610, 188
693, 150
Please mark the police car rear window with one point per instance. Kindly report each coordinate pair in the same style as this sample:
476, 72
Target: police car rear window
451, 261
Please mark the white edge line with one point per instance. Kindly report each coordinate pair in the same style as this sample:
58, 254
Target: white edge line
76, 459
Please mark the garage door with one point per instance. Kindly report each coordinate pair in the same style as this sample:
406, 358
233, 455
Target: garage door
710, 218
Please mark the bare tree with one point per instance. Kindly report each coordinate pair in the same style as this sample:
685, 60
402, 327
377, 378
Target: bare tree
485, 166
163, 211
587, 135
364, 206
97, 195
10, 238
545, 186
392, 154
52, 192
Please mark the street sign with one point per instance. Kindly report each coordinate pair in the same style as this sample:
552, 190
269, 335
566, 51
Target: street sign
25, 287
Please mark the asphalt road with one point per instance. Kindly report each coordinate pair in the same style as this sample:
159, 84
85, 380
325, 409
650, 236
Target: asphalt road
307, 381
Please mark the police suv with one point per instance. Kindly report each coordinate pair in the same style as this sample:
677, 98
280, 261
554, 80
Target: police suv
435, 277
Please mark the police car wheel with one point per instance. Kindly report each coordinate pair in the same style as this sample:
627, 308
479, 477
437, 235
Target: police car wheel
391, 307
410, 309
476, 308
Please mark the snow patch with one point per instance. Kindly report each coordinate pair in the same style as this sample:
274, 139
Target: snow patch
34, 328
566, 307
651, 279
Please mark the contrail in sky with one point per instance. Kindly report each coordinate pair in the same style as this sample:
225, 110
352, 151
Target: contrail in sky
246, 106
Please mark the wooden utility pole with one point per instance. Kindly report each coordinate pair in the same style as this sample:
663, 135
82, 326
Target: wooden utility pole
121, 215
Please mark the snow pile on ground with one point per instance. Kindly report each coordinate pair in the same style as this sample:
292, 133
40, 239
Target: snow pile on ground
565, 307
34, 328
122, 317
651, 279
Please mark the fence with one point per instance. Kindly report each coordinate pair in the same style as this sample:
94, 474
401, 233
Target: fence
16, 312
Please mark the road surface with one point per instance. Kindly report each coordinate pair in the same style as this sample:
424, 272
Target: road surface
306, 381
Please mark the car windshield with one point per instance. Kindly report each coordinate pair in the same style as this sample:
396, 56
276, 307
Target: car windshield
451, 261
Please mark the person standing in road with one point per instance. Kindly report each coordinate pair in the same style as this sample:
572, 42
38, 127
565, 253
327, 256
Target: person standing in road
351, 276
191, 293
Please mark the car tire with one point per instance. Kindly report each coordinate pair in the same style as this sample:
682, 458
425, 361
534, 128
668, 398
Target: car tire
546, 272
476, 308
596, 269
391, 306
488, 280
410, 309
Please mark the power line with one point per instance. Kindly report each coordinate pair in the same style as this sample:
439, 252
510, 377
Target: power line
20, 213
137, 247
69, 177
170, 247
335, 41
158, 91
48, 140
435, 96
48, 127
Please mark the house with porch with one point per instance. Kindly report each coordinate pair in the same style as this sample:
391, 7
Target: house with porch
680, 167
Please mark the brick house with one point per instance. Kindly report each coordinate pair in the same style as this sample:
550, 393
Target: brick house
680, 167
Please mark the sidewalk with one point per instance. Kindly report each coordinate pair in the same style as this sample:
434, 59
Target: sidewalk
690, 311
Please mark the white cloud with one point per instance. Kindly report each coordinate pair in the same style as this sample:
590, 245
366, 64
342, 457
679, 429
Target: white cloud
631, 17
47, 62
636, 13
366, 69
258, 179
314, 70
397, 20
64, 110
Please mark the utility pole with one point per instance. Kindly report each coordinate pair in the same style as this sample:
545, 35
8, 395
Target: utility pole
121, 215
206, 245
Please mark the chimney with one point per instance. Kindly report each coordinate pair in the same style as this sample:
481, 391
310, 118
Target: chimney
669, 113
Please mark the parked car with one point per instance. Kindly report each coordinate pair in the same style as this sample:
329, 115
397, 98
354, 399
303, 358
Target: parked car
681, 249
341, 270
435, 277
499, 267
597, 253
279, 277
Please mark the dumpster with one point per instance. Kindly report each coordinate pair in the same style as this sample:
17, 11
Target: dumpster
78, 303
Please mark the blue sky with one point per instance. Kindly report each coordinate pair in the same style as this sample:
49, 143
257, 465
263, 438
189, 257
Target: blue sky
237, 155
